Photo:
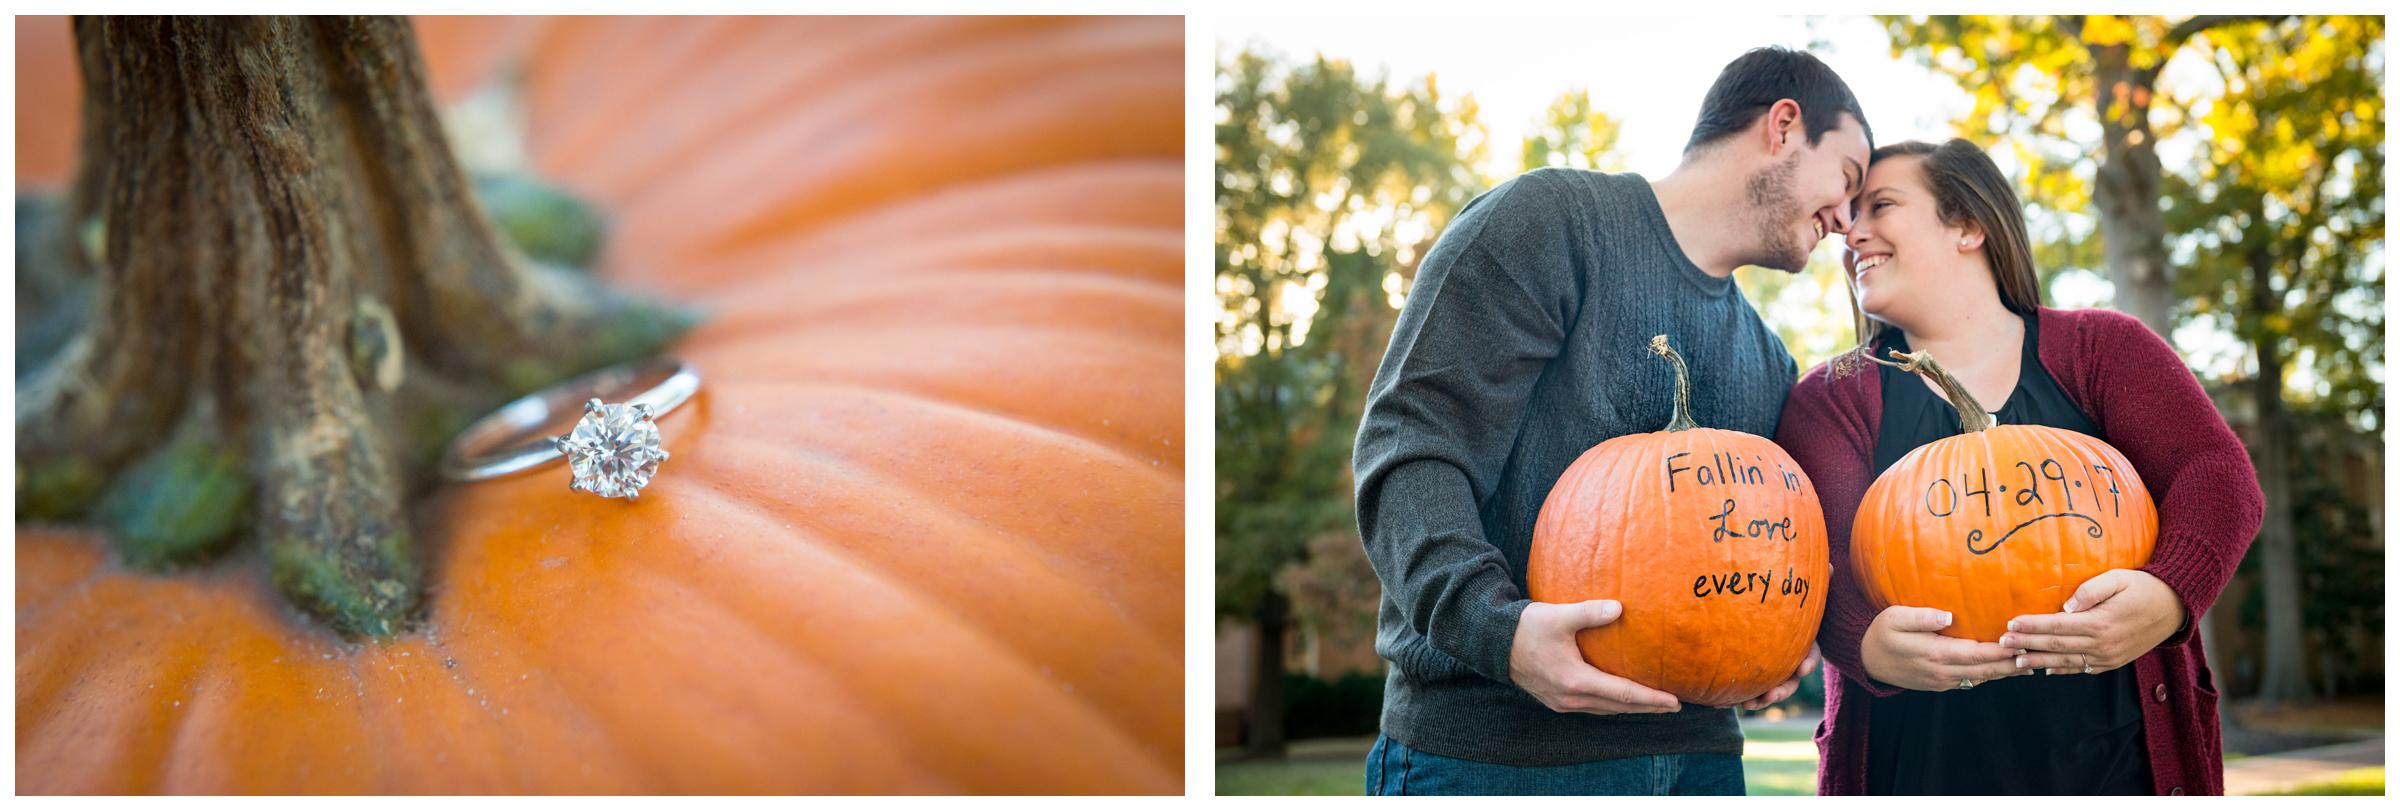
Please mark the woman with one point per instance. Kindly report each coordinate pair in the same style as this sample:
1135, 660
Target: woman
2112, 695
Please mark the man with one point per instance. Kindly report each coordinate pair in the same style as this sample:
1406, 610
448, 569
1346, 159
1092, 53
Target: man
1521, 346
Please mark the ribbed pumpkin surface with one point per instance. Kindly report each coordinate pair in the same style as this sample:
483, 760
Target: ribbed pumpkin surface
1721, 574
923, 527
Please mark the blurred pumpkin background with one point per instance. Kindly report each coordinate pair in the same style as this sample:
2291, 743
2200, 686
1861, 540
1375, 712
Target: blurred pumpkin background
922, 531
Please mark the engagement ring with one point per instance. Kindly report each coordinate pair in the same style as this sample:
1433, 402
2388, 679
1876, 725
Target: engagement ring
613, 450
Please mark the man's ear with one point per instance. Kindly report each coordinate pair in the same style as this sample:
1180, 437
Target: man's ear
1783, 126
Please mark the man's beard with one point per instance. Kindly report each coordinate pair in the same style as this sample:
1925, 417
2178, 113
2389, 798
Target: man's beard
1774, 208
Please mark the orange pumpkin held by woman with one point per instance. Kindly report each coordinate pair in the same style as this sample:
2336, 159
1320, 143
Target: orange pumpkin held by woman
923, 528
1999, 521
1713, 542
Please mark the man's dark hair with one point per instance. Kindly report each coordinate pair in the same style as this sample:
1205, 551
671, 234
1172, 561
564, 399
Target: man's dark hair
1758, 79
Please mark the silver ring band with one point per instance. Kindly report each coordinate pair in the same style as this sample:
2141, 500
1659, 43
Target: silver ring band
506, 441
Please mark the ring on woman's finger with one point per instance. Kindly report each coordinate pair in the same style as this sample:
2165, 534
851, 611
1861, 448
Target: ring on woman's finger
1966, 684
2087, 665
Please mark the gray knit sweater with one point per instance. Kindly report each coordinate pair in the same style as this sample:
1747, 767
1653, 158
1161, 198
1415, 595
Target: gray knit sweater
1522, 345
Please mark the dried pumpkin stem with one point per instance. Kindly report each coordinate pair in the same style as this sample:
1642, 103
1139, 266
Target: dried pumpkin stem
1971, 416
298, 300
117, 387
459, 273
1682, 420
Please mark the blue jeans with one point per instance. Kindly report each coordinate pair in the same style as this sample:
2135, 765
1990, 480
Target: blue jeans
1394, 769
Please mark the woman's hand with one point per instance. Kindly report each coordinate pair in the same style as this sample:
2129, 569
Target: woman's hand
1903, 649
2111, 620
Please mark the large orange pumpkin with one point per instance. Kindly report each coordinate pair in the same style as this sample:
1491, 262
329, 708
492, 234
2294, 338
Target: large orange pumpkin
923, 530
1998, 521
1711, 540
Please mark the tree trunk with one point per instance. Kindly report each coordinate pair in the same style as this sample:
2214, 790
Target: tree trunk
2286, 672
1265, 738
297, 302
2126, 188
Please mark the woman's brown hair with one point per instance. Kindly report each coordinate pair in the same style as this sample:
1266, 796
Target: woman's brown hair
1968, 189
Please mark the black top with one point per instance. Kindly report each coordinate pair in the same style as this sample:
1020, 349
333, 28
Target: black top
2038, 734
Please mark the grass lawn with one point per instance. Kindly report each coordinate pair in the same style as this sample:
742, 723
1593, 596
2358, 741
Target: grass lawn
2367, 781
1775, 761
1779, 760
1324, 766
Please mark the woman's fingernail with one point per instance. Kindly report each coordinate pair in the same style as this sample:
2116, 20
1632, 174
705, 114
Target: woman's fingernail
2012, 625
2070, 606
2020, 663
2007, 641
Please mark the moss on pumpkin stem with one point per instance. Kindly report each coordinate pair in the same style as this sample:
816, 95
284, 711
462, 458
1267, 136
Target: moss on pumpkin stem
368, 592
545, 222
620, 326
182, 501
53, 489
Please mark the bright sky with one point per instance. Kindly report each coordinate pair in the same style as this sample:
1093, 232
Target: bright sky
1649, 73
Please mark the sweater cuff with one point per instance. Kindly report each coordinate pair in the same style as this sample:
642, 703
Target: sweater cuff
1880, 689
1484, 632
1845, 614
2194, 575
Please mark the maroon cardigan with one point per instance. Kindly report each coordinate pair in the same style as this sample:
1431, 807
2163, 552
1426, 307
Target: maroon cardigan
2139, 393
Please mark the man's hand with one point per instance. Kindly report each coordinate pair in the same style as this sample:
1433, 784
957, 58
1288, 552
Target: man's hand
2111, 620
1544, 661
1904, 649
1808, 664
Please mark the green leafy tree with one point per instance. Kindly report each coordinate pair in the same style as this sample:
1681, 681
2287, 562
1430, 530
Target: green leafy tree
1573, 135
2035, 79
2271, 231
2282, 224
1329, 187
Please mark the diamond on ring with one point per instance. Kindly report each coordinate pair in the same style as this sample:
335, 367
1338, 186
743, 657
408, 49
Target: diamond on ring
614, 449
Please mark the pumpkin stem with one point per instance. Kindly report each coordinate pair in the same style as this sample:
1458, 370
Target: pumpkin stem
1682, 420
1971, 416
294, 299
